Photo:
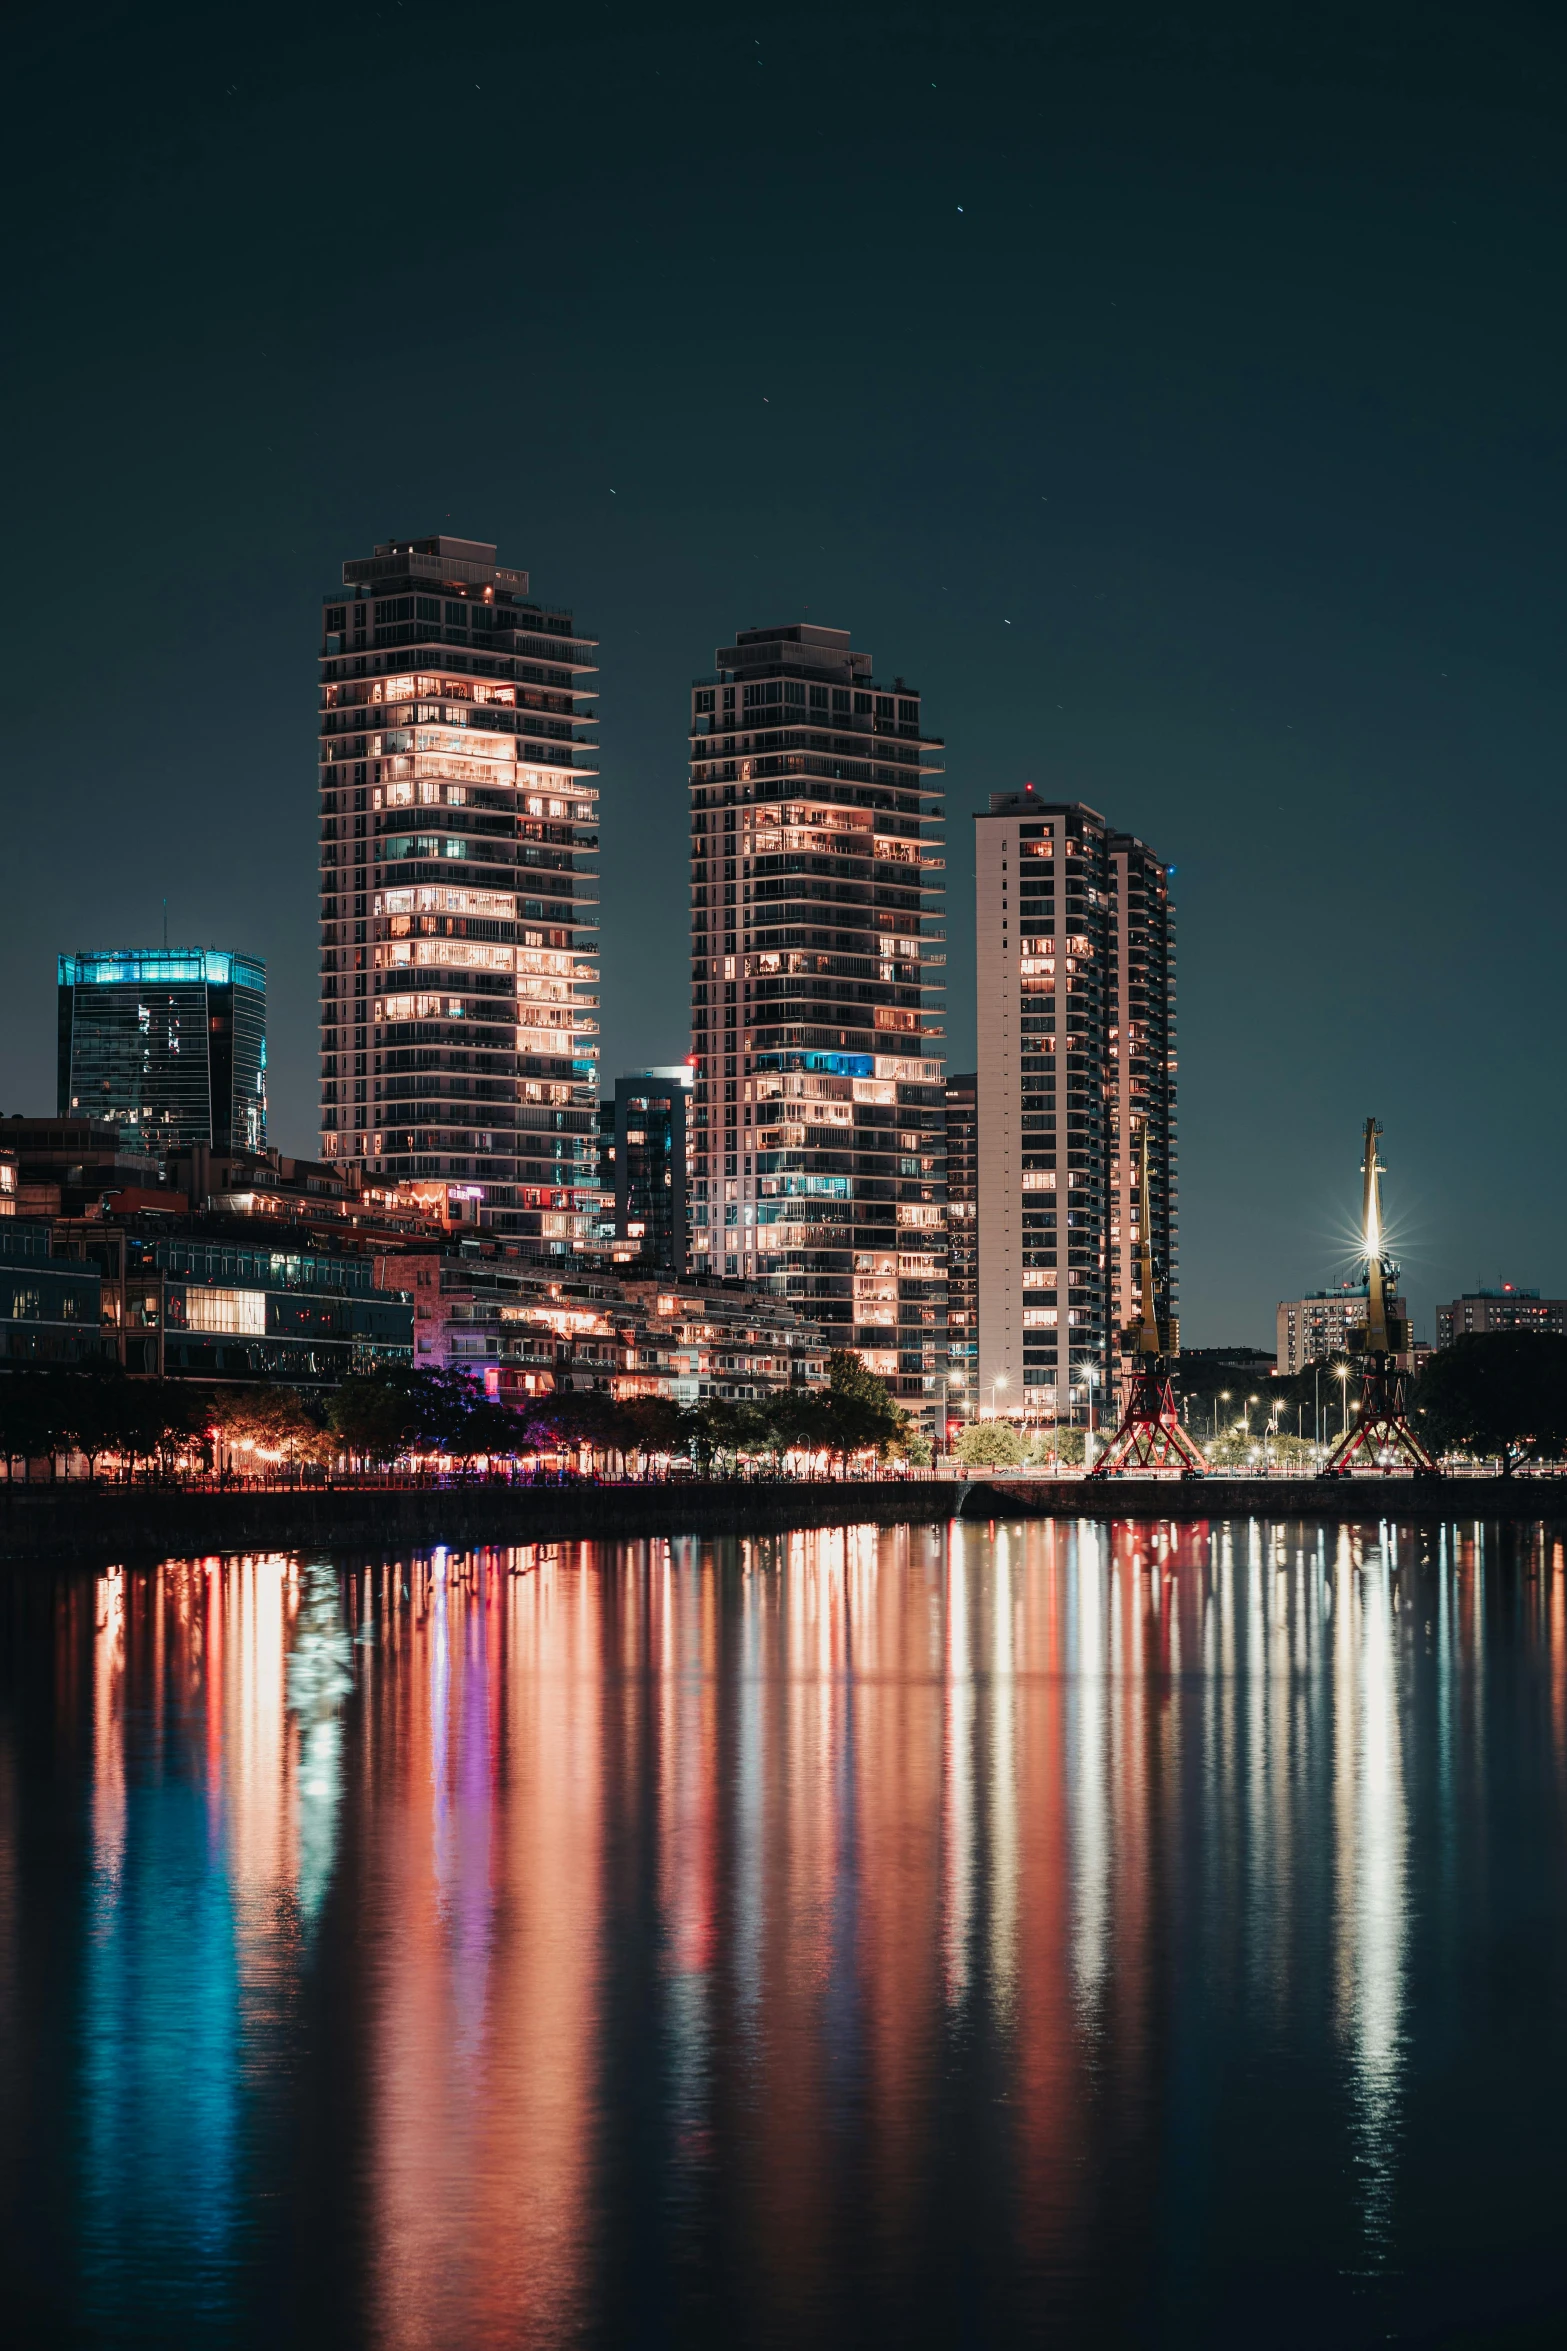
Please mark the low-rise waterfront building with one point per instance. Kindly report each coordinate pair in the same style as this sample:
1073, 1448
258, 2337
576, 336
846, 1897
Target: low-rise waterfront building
232, 1299
49, 1307
524, 1330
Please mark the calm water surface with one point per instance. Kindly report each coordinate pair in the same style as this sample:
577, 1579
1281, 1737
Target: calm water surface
942, 1936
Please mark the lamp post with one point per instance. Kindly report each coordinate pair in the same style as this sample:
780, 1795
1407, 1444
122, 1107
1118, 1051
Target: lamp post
1090, 1378
999, 1381
1224, 1397
1342, 1376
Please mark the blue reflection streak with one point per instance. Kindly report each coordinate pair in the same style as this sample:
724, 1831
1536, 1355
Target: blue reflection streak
160, 2070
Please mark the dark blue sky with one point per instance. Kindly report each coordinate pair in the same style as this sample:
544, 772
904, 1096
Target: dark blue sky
1177, 398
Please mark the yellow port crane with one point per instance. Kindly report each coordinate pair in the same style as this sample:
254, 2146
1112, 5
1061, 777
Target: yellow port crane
1381, 1435
1150, 1435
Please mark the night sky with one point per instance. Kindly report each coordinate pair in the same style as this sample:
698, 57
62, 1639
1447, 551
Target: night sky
1174, 396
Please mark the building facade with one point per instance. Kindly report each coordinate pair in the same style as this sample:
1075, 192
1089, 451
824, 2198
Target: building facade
50, 1311
962, 1246
1318, 1328
458, 887
1505, 1309
644, 1165
522, 1332
1140, 1074
1076, 1012
221, 1300
818, 1116
168, 1045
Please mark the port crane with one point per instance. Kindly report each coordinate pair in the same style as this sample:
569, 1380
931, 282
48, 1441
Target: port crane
1382, 1425
1150, 1435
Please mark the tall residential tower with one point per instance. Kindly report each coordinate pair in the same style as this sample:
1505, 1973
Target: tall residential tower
819, 1115
458, 887
1076, 1006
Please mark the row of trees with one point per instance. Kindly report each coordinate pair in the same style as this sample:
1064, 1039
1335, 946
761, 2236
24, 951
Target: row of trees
378, 1418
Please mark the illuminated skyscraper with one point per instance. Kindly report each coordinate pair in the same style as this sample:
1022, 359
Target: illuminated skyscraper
458, 886
168, 1043
1076, 1006
819, 1118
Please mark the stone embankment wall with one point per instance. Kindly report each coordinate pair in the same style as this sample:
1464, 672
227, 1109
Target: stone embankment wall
102, 1524
99, 1524
1358, 1501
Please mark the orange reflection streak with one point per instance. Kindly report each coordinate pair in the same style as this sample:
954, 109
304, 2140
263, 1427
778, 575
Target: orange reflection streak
1556, 1641
1048, 2055
684, 1699
796, 1614
480, 2166
897, 1762
108, 1734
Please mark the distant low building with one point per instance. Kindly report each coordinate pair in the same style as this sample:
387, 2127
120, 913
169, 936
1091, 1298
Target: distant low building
1317, 1328
1506, 1309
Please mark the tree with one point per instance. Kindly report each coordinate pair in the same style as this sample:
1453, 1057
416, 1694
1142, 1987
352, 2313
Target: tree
860, 1412
275, 1422
373, 1418
989, 1444
30, 1417
1499, 1392
649, 1425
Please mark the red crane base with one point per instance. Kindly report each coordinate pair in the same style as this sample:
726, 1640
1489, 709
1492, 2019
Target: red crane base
1382, 1426
1150, 1435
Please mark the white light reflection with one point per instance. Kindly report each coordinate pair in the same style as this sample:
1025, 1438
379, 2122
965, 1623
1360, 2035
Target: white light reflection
957, 1800
319, 1679
1372, 1844
1003, 1788
1090, 1795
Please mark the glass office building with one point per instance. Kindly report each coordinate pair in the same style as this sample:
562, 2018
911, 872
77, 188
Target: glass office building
459, 898
170, 1044
646, 1153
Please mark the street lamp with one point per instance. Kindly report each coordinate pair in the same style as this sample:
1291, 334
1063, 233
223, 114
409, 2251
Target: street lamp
1341, 1374
999, 1381
1089, 1376
1224, 1397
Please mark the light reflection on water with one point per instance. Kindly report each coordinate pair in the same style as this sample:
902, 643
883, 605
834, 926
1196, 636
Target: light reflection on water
1143, 1931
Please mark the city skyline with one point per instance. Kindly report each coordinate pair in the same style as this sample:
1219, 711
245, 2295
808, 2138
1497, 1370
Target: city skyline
1207, 482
